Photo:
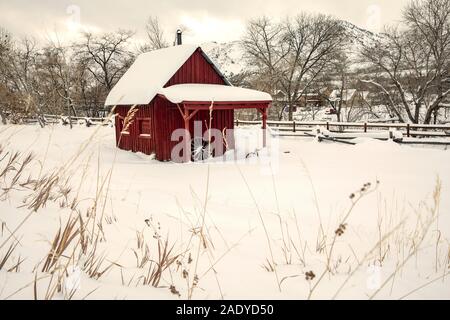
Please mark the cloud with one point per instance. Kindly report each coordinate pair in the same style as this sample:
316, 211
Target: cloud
204, 27
207, 20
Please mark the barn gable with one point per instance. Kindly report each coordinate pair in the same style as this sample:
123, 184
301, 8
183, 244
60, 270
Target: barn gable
198, 69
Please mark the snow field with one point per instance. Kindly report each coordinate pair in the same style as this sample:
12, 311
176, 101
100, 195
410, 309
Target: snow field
218, 216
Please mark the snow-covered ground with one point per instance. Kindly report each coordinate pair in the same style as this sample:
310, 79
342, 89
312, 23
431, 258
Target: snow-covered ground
227, 222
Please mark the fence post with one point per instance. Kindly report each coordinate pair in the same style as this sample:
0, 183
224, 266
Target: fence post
328, 125
293, 125
407, 130
237, 122
365, 126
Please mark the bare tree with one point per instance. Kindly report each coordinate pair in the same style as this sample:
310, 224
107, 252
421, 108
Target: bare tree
431, 19
341, 69
18, 75
61, 73
265, 49
291, 54
107, 56
412, 64
4, 48
59, 78
155, 34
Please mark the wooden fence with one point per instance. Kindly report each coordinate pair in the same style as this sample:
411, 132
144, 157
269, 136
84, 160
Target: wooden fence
88, 121
295, 127
408, 129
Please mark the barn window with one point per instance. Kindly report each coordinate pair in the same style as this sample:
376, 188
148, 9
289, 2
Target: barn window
144, 127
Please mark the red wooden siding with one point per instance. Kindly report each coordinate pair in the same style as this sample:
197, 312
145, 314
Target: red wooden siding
196, 70
133, 141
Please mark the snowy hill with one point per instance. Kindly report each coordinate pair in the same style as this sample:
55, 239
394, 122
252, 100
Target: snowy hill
230, 56
357, 37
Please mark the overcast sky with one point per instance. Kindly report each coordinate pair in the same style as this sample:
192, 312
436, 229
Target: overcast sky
206, 20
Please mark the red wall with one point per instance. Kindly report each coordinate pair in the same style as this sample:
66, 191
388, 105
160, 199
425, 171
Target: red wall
133, 141
196, 70
165, 116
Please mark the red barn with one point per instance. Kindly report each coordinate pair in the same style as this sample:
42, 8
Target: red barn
170, 89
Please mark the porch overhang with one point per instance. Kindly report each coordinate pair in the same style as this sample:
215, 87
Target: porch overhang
226, 105
192, 98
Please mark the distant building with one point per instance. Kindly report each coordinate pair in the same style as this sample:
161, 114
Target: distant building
349, 97
308, 99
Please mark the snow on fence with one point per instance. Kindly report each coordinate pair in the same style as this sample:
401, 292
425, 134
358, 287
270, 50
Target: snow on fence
294, 128
65, 120
300, 127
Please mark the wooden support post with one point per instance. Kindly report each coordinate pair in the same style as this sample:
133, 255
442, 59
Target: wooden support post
328, 125
407, 130
293, 126
187, 147
264, 126
186, 117
365, 126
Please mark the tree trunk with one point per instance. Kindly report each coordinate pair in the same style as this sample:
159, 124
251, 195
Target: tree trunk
69, 113
339, 109
3, 116
431, 110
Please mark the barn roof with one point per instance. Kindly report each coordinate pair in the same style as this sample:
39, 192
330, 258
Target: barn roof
347, 94
211, 92
149, 73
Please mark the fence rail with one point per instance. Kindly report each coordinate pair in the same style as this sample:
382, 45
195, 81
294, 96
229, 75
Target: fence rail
410, 129
295, 127
97, 119
52, 118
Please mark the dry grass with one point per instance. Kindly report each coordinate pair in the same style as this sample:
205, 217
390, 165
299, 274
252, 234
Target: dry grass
142, 251
68, 237
43, 191
61, 243
10, 163
97, 266
424, 222
193, 283
266, 232
355, 198
321, 236
7, 256
165, 259
19, 170
269, 266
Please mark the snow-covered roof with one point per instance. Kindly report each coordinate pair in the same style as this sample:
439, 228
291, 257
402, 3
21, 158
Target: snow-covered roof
346, 94
365, 94
211, 92
148, 74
